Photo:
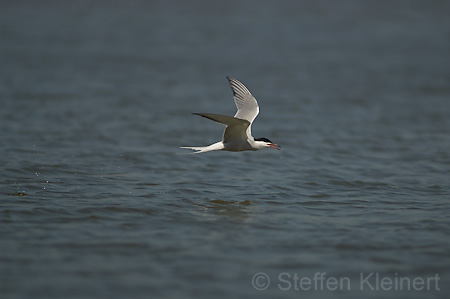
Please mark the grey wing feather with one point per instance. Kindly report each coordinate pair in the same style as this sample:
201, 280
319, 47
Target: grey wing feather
236, 128
223, 119
246, 104
236, 132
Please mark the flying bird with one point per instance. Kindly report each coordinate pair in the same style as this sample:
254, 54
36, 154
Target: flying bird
237, 135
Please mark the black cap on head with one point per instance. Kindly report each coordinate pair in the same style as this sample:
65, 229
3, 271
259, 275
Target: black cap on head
263, 139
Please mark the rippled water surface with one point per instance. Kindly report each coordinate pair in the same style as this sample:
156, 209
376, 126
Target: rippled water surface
98, 201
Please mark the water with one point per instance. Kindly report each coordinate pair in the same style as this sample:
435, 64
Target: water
98, 201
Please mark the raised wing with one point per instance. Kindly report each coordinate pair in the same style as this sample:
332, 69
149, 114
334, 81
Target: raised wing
246, 104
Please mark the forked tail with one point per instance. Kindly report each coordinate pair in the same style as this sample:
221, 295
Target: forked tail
203, 149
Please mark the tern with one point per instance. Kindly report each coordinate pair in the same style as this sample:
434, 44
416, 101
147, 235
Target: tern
237, 136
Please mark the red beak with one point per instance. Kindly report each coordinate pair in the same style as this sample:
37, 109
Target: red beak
275, 146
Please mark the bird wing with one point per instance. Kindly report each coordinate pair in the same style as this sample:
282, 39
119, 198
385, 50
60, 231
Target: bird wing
236, 132
236, 128
246, 104
223, 119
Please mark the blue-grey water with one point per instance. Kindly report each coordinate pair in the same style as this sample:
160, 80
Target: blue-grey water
98, 201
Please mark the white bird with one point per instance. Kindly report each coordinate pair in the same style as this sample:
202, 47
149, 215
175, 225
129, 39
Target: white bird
237, 136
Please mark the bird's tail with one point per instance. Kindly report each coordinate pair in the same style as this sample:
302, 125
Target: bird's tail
197, 149
203, 149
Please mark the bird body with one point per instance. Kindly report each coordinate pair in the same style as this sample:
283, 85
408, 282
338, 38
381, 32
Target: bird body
237, 135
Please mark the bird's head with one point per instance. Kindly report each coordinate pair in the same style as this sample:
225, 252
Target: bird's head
264, 142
